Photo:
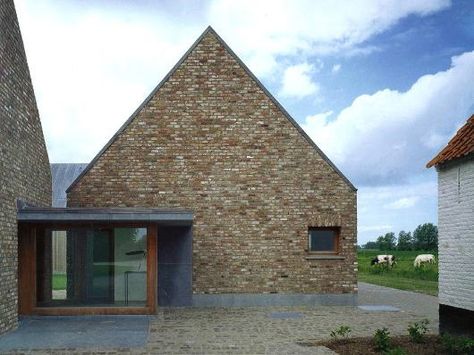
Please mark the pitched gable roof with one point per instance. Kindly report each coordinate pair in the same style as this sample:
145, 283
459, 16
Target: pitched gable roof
459, 146
210, 30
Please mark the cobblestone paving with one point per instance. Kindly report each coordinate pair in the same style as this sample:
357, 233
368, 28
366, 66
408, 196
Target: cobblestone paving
255, 331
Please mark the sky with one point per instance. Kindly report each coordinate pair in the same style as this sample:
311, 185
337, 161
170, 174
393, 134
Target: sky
380, 86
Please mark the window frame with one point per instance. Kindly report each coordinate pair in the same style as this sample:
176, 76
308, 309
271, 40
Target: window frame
27, 300
337, 239
81, 285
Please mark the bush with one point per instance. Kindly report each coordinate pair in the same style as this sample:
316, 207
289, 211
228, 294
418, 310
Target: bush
457, 344
396, 351
417, 331
382, 339
380, 268
341, 333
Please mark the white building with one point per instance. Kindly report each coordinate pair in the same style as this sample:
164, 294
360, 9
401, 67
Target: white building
455, 166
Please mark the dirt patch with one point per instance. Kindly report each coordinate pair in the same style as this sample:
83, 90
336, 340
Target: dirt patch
365, 346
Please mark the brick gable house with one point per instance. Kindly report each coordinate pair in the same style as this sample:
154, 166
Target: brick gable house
211, 139
209, 195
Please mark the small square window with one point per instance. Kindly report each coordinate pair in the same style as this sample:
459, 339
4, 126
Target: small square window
323, 240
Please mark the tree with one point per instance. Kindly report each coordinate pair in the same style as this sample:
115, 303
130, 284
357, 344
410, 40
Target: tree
405, 241
387, 241
371, 245
425, 237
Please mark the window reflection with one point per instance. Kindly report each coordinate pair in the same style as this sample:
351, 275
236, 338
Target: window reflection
91, 267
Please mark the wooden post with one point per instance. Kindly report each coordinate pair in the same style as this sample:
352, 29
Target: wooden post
26, 269
151, 267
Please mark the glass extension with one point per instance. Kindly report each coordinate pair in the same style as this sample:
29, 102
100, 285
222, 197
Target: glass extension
86, 267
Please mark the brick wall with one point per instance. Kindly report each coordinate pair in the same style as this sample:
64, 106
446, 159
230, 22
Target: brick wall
212, 141
456, 234
24, 166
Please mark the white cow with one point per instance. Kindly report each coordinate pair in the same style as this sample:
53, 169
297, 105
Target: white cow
424, 258
383, 259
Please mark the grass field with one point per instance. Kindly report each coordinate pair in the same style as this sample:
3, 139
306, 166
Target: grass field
403, 275
59, 282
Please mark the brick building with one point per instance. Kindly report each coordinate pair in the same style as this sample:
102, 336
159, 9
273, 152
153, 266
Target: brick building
210, 194
24, 165
455, 166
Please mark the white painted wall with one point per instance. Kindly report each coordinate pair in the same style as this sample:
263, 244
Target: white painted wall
456, 234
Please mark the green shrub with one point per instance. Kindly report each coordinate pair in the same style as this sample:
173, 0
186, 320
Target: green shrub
382, 339
379, 269
417, 331
396, 351
457, 344
341, 333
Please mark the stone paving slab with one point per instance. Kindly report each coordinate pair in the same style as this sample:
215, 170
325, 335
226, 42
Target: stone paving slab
255, 331
77, 332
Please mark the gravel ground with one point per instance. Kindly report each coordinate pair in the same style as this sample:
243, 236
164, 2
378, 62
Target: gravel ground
268, 330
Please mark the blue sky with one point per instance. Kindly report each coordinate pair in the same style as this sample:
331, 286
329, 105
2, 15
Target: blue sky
380, 86
413, 47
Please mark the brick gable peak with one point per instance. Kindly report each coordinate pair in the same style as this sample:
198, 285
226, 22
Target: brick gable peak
210, 31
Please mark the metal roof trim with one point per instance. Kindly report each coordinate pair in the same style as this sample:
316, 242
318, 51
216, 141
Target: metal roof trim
51, 214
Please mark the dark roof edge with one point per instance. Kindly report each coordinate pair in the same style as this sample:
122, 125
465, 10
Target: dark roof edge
24, 207
247, 70
135, 113
52, 214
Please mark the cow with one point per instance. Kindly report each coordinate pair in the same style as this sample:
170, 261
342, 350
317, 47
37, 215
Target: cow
383, 259
423, 259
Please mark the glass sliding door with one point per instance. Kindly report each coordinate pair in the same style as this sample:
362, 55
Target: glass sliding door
91, 267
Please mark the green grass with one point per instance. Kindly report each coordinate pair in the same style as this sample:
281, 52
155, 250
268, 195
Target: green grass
59, 282
403, 275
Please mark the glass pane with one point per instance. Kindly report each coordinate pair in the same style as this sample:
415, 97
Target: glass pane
130, 266
322, 240
59, 265
92, 266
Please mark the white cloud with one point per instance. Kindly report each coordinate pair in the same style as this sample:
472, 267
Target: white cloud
320, 118
92, 63
297, 81
390, 135
404, 202
291, 28
335, 68
92, 68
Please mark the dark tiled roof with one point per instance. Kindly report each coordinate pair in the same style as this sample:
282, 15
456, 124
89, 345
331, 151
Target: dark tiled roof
247, 70
459, 146
63, 175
